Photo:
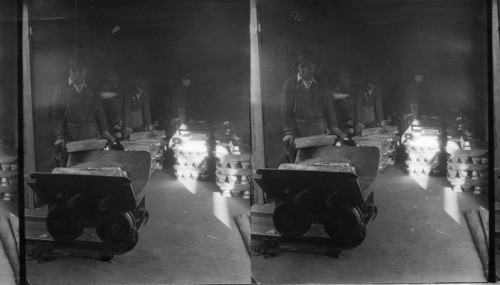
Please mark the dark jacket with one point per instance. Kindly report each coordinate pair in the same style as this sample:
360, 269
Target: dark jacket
368, 107
133, 104
72, 108
311, 104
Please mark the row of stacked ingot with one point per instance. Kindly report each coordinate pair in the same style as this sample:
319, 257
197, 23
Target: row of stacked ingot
385, 138
191, 150
423, 144
234, 168
468, 166
153, 142
9, 173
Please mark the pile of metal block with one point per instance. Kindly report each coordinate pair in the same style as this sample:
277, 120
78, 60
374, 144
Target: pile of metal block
234, 165
467, 165
385, 138
153, 142
423, 141
9, 173
191, 144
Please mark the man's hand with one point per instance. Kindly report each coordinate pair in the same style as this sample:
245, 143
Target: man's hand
148, 127
288, 139
60, 143
108, 136
339, 133
359, 127
126, 132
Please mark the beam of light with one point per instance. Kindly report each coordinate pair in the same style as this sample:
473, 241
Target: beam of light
220, 209
421, 179
190, 184
450, 204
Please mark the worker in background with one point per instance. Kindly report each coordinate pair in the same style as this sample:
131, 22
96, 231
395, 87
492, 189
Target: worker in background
178, 102
112, 101
412, 99
305, 103
343, 99
77, 111
368, 105
136, 108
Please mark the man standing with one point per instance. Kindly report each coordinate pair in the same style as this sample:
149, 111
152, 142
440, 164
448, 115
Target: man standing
306, 102
412, 99
136, 109
76, 110
179, 100
343, 99
368, 105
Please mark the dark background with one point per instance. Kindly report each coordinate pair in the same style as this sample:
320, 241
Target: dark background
448, 39
161, 40
8, 73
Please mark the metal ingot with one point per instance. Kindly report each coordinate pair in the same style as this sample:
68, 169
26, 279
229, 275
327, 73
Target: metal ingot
462, 173
7, 197
452, 173
226, 193
457, 188
232, 179
246, 195
234, 164
244, 180
484, 160
464, 159
480, 190
5, 167
467, 188
476, 160
246, 164
5, 182
475, 175
13, 182
454, 159
221, 177
483, 175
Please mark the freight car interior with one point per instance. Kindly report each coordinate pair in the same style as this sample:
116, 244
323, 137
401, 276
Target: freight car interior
191, 235
421, 233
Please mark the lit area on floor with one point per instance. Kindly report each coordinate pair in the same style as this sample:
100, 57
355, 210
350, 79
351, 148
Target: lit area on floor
450, 203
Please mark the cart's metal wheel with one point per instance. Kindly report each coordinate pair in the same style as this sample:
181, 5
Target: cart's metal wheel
344, 224
64, 224
290, 220
115, 227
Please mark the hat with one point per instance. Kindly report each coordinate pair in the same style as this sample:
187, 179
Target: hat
305, 57
76, 62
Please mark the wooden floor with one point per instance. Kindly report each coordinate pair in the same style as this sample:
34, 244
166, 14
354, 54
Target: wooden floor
419, 236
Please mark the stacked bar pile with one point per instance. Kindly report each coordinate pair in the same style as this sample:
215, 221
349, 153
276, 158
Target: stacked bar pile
153, 142
234, 164
468, 166
424, 145
385, 138
191, 144
8, 173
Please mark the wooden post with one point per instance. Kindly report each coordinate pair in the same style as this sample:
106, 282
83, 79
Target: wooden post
496, 86
257, 128
28, 127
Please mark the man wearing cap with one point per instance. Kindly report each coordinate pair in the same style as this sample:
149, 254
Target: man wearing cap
412, 98
368, 104
306, 102
178, 101
136, 109
77, 111
343, 95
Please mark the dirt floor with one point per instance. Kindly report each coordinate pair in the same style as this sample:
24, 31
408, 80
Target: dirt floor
191, 237
419, 236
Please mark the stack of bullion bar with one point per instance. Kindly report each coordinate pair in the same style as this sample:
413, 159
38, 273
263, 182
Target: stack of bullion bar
423, 141
385, 138
234, 164
8, 173
191, 150
468, 165
153, 142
